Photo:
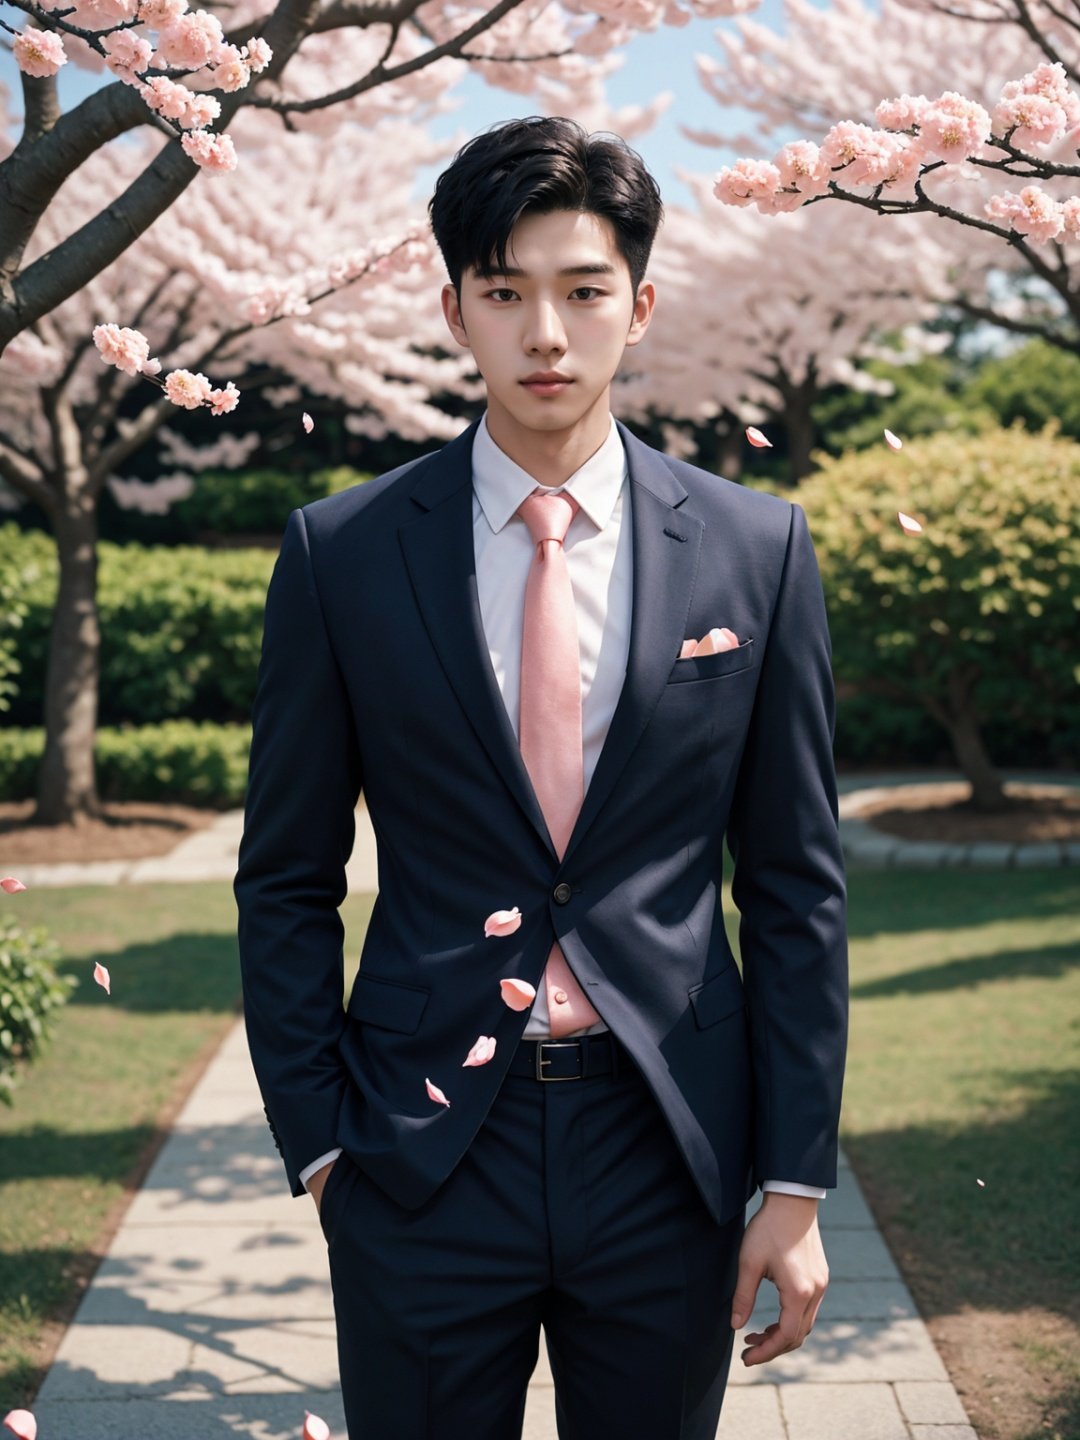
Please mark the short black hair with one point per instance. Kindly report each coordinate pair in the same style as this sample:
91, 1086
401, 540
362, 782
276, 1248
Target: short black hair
535, 166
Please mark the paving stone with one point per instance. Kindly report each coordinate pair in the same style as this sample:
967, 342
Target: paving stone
847, 1352
862, 1256
930, 1403
752, 1413
866, 1300
842, 1412
845, 1207
943, 1432
921, 854
214, 1417
990, 855
1036, 855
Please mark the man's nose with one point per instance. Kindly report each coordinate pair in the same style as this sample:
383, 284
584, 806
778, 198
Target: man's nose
545, 330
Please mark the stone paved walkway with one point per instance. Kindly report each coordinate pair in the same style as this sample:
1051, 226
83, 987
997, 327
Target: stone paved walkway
211, 1315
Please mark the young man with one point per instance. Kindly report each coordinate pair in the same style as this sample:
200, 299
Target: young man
497, 643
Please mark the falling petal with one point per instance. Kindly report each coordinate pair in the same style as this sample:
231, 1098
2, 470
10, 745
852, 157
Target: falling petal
981, 1182
101, 975
481, 1052
315, 1427
309, 424
502, 922
518, 994
434, 1093
757, 439
21, 1423
907, 523
12, 886
892, 441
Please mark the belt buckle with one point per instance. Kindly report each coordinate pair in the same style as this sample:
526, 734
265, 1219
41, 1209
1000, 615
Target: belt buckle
557, 1045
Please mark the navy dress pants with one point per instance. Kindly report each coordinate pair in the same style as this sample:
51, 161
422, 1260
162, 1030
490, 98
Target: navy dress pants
572, 1209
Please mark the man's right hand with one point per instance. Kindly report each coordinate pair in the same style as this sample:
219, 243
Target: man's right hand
317, 1180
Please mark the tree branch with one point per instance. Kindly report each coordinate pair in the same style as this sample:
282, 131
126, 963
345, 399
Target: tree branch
24, 475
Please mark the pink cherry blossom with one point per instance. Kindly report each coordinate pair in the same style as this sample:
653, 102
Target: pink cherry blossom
308, 423
757, 439
231, 71
1070, 215
518, 994
482, 1051
168, 97
187, 390
11, 885
907, 523
865, 155
201, 110
1033, 120
157, 14
801, 165
892, 441
212, 152
901, 113
434, 1093
315, 1427
954, 128
502, 922
126, 349
21, 1423
151, 367
38, 52
222, 401
257, 53
101, 975
1033, 212
191, 41
129, 54
747, 181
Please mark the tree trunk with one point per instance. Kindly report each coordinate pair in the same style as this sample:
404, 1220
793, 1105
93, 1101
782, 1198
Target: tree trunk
800, 430
730, 450
66, 784
987, 790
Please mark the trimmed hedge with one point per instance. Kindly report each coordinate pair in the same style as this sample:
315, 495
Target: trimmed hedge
30, 993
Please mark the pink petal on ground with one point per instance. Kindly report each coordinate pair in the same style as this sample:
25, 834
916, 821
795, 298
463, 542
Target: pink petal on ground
315, 1427
893, 441
434, 1093
21, 1423
309, 424
481, 1052
518, 994
757, 439
502, 922
907, 523
101, 975
12, 886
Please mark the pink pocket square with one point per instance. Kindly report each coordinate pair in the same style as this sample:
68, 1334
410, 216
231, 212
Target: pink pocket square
718, 639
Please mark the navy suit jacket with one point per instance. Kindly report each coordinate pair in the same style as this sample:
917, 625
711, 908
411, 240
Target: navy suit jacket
375, 674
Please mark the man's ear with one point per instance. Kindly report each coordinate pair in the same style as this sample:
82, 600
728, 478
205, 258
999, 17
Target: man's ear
643, 308
451, 308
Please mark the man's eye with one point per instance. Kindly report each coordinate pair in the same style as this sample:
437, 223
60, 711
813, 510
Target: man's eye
591, 289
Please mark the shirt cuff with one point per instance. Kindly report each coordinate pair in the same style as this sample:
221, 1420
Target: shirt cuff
792, 1187
309, 1170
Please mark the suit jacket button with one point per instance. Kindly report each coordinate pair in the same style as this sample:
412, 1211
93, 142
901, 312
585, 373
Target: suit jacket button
562, 893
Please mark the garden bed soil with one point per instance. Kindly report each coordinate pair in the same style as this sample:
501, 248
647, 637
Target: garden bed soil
943, 811
127, 830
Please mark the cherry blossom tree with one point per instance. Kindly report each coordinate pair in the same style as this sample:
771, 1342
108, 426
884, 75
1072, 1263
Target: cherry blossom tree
299, 68
967, 111
755, 317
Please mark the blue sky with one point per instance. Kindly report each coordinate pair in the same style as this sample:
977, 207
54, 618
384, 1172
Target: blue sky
661, 60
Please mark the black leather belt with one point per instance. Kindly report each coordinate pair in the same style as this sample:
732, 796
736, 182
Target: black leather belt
570, 1059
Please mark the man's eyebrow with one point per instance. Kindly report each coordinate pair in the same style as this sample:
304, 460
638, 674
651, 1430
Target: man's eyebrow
512, 272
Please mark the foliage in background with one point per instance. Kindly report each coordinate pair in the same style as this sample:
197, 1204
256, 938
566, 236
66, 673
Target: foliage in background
975, 619
30, 992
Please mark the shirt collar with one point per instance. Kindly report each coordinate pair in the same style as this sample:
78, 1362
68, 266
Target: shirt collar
501, 484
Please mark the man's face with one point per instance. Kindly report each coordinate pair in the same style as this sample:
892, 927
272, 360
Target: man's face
579, 325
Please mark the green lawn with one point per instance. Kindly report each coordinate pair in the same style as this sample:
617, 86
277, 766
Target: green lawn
965, 1022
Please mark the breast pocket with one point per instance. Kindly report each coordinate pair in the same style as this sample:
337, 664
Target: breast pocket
713, 667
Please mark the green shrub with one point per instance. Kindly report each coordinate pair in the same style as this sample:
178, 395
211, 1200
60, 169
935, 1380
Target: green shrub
230, 502
974, 619
30, 993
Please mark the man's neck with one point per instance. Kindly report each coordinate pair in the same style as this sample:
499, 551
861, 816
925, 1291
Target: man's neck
550, 456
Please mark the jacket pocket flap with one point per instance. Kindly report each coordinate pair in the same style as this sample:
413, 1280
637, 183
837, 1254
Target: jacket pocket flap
388, 1003
713, 1000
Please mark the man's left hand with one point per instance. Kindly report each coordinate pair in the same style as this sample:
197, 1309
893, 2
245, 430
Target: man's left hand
782, 1243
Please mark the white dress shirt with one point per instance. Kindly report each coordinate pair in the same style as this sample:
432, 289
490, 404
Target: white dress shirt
599, 558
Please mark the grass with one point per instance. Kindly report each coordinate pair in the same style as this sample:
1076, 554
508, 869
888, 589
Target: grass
965, 1016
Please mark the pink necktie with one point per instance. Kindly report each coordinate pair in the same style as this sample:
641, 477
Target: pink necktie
550, 716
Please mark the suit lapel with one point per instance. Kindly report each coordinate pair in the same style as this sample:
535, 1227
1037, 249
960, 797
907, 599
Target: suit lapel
666, 546
439, 554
